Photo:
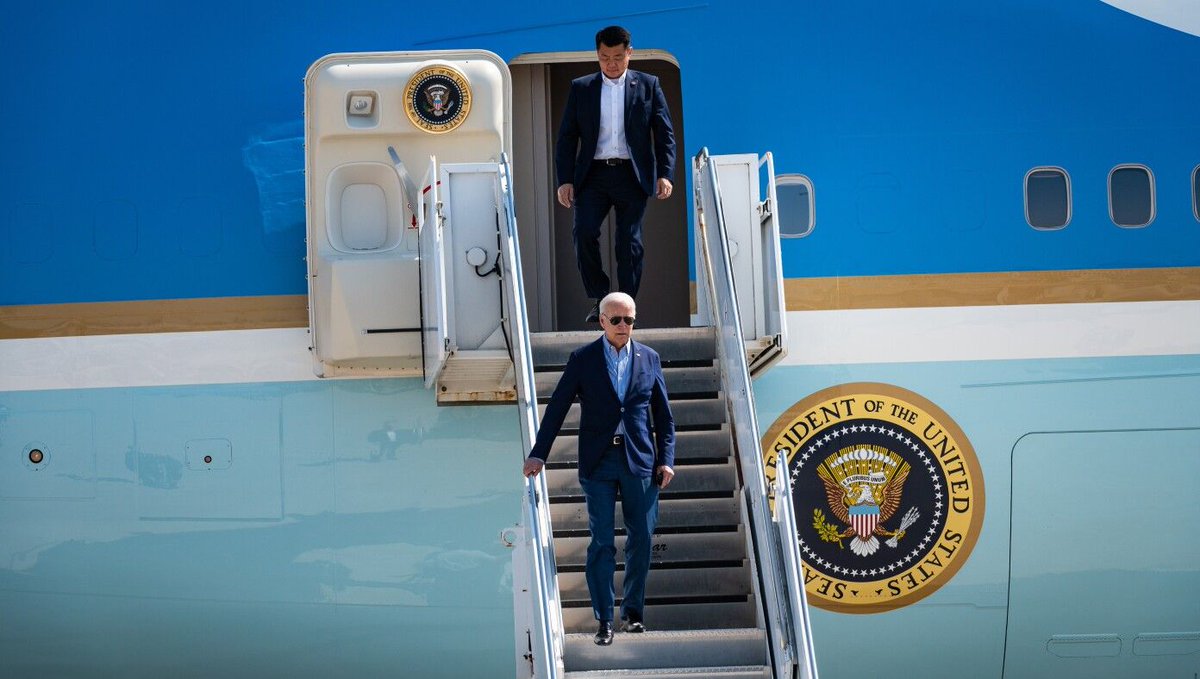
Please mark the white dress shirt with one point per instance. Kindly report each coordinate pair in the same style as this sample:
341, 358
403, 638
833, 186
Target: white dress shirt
611, 143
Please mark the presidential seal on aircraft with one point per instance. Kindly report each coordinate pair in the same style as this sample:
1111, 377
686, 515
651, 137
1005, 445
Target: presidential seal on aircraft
888, 495
437, 99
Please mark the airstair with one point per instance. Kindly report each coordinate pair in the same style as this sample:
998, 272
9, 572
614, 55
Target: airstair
724, 597
701, 605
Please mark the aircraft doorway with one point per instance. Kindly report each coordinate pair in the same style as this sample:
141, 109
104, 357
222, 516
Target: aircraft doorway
554, 291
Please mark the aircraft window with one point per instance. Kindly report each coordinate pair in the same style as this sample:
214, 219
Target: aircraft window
1131, 195
1047, 198
796, 207
1196, 193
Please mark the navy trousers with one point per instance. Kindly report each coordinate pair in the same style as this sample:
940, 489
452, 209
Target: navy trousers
609, 187
639, 506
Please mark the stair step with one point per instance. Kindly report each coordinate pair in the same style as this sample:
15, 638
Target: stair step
667, 649
673, 616
688, 479
571, 552
687, 513
724, 581
672, 344
705, 444
723, 672
702, 379
705, 412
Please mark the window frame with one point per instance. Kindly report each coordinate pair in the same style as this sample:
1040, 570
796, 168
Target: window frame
1195, 193
1153, 195
1070, 199
793, 178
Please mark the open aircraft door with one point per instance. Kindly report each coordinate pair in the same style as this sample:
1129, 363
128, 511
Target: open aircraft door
751, 222
403, 277
435, 326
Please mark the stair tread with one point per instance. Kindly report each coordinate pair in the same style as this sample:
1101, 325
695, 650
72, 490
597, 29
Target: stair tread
673, 616
659, 649
731, 671
690, 584
687, 634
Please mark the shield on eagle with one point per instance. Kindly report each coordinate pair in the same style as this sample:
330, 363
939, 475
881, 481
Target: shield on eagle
863, 486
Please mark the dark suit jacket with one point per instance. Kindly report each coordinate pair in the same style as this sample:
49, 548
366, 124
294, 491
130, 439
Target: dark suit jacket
649, 426
645, 111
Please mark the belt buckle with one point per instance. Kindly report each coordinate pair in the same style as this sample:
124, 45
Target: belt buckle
618, 440
612, 161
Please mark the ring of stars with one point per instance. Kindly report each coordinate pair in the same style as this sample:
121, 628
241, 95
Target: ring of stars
925, 459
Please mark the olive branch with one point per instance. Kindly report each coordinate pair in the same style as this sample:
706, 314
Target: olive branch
827, 531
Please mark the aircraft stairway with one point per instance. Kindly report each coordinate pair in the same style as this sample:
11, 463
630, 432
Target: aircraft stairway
701, 596
724, 594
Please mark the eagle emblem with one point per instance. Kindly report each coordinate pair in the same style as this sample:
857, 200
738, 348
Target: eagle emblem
863, 486
438, 100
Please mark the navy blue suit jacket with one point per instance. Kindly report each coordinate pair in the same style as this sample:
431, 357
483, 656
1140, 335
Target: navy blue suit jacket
649, 426
645, 111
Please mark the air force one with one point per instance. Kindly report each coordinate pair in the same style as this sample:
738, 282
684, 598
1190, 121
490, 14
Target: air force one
282, 290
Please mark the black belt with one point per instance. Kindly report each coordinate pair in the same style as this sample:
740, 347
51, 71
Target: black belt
611, 161
618, 440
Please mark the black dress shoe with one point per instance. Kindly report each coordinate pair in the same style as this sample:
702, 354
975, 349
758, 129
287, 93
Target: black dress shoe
633, 623
593, 315
604, 635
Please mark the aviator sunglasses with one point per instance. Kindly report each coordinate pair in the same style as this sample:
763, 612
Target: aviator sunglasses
617, 320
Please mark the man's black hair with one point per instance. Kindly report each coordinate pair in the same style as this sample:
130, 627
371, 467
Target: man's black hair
613, 36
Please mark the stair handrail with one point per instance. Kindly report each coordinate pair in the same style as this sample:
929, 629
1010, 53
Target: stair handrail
785, 601
785, 518
546, 639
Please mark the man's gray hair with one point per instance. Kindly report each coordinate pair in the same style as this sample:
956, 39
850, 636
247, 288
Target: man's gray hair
617, 298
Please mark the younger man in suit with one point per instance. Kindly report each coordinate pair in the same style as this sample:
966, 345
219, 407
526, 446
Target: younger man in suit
616, 147
626, 444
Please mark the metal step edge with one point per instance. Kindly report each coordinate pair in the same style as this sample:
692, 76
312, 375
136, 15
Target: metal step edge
571, 551
727, 672
681, 565
578, 616
683, 635
740, 646
696, 584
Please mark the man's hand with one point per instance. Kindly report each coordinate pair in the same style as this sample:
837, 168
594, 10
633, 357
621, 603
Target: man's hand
532, 466
566, 195
666, 473
664, 189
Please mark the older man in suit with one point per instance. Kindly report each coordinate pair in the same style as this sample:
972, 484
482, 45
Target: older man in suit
616, 147
626, 444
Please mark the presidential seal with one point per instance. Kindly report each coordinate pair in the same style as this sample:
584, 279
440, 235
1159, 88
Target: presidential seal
887, 491
437, 99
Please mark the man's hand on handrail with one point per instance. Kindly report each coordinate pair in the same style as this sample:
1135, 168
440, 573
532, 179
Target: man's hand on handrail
532, 466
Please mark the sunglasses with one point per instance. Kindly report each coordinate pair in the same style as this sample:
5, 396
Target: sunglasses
617, 320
